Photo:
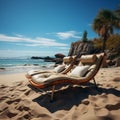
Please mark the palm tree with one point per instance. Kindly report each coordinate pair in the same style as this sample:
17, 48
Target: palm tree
104, 23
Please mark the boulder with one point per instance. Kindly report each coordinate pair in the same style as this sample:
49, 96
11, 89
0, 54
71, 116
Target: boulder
59, 55
117, 62
58, 60
110, 62
112, 55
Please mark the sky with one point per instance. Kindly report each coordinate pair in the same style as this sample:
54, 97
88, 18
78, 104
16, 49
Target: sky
46, 27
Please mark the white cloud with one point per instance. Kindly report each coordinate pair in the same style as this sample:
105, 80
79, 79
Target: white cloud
38, 41
68, 34
90, 24
10, 38
18, 35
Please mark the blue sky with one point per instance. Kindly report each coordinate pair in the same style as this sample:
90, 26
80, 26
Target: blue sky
46, 27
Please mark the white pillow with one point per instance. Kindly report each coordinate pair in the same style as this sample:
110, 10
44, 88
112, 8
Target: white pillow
79, 71
59, 68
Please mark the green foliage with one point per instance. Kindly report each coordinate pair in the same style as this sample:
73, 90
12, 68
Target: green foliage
105, 18
112, 44
104, 24
97, 43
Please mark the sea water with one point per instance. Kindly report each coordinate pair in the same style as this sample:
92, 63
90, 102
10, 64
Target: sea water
22, 64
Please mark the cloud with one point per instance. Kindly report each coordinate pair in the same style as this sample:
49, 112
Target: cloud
90, 24
38, 41
10, 38
18, 35
68, 34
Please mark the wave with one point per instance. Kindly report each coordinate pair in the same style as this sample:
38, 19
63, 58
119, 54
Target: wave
23, 65
19, 69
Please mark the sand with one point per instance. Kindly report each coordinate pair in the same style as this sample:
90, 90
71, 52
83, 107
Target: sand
20, 101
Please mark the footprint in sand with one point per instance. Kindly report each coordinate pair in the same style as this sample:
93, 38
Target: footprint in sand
92, 98
13, 101
8, 113
101, 112
82, 109
4, 97
28, 92
23, 108
85, 102
2, 86
117, 79
3, 106
113, 107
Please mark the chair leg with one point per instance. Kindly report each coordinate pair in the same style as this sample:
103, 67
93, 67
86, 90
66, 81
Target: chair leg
95, 83
52, 94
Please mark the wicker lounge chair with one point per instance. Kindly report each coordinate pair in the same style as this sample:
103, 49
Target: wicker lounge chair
65, 67
90, 65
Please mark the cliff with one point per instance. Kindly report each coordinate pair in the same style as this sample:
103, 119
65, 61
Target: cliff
79, 48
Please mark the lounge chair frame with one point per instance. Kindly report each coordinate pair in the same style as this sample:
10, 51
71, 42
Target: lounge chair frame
77, 82
71, 64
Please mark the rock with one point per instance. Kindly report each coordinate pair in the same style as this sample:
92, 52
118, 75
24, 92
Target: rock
112, 55
36, 57
2, 68
58, 60
59, 55
85, 101
49, 59
46, 59
109, 62
117, 62
79, 48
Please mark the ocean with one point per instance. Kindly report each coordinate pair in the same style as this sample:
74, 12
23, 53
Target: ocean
22, 64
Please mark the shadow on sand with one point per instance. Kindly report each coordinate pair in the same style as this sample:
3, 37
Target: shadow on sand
65, 99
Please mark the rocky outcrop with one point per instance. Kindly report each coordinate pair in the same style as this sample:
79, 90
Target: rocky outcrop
46, 59
58, 58
79, 48
117, 62
59, 55
82, 48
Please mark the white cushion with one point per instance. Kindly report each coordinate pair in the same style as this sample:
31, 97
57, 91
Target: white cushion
88, 58
67, 59
79, 71
59, 68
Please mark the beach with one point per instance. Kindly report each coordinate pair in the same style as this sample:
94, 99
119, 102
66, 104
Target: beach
21, 101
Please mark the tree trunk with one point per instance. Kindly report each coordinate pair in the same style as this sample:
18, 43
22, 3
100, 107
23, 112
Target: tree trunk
104, 42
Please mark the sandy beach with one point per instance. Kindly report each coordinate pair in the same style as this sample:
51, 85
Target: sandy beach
20, 101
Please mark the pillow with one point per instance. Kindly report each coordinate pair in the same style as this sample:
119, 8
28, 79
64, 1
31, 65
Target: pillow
67, 59
79, 71
88, 58
59, 68
92, 67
